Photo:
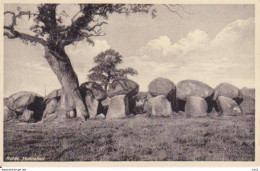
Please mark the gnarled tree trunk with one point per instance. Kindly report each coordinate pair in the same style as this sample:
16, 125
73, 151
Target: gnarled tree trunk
61, 66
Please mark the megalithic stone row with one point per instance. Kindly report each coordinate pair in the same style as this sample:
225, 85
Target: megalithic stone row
196, 107
159, 106
228, 106
118, 107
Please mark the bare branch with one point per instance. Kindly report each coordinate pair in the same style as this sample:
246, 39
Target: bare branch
174, 5
72, 19
12, 34
171, 10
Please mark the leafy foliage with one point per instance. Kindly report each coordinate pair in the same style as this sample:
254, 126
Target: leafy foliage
106, 69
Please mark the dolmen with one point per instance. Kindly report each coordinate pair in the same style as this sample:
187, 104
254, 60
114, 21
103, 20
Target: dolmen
121, 103
52, 102
228, 98
194, 98
23, 106
163, 100
93, 94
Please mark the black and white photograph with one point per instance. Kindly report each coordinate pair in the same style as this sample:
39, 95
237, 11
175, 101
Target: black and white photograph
124, 82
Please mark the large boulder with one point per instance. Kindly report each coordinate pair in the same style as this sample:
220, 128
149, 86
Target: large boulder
195, 88
21, 101
9, 114
248, 105
51, 107
161, 86
248, 92
159, 106
196, 107
227, 106
118, 107
187, 88
123, 86
52, 101
92, 88
27, 116
55, 94
228, 90
94, 106
165, 87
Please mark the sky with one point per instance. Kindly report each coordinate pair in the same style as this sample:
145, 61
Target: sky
209, 43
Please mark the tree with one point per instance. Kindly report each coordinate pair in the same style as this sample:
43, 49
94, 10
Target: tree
106, 69
50, 31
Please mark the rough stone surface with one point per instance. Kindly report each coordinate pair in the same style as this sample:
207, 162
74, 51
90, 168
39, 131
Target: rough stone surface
196, 107
21, 101
161, 86
9, 115
227, 106
140, 100
27, 116
159, 106
94, 106
165, 87
228, 90
248, 105
55, 94
248, 92
51, 107
118, 107
123, 86
92, 88
195, 88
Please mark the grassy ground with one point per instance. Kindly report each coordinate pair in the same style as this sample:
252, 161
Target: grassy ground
137, 138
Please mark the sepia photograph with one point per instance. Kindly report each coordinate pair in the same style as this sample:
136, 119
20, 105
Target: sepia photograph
129, 82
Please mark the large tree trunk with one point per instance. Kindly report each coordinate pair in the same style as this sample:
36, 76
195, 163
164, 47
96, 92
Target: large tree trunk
71, 100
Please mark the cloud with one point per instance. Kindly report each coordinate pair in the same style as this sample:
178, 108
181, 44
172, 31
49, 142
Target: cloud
229, 56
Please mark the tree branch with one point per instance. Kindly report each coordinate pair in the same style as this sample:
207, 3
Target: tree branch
15, 34
171, 10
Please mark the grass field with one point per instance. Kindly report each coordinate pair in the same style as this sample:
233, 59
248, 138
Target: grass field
134, 139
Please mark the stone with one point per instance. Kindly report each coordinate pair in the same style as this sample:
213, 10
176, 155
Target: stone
227, 106
159, 106
92, 88
55, 94
27, 116
72, 114
21, 101
196, 107
195, 88
123, 86
51, 107
248, 92
161, 86
228, 90
248, 105
118, 107
140, 99
165, 87
105, 105
9, 114
93, 105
